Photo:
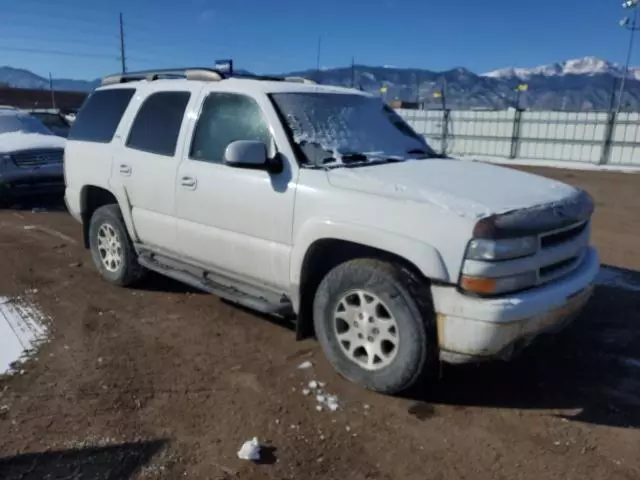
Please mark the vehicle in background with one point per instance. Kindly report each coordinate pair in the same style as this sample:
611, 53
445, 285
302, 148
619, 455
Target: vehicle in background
55, 120
321, 203
31, 156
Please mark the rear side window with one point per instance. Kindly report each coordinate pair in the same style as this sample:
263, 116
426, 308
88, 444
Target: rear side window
157, 124
100, 115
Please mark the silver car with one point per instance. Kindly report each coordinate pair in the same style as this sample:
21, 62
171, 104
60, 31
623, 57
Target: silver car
31, 156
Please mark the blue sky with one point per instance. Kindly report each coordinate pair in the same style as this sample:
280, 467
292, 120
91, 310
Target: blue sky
79, 38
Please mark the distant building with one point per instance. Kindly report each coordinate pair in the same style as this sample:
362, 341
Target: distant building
28, 98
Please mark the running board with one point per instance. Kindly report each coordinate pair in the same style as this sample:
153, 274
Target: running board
245, 295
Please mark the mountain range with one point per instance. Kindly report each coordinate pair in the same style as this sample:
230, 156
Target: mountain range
579, 84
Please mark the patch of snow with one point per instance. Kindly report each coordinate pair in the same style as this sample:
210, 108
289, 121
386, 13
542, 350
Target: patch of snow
613, 277
305, 365
468, 189
250, 450
332, 403
575, 66
323, 399
15, 141
334, 125
22, 329
532, 162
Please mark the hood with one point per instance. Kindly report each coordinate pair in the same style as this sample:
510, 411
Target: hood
468, 189
17, 141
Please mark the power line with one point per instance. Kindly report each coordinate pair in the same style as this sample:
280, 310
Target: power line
16, 27
58, 52
46, 17
60, 4
58, 42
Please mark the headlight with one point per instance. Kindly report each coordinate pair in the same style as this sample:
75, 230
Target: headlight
490, 286
484, 249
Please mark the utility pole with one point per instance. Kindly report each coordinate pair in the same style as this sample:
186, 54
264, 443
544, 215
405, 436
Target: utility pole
53, 93
353, 72
123, 58
319, 50
633, 26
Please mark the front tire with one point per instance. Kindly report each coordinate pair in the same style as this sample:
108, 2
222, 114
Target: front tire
111, 247
375, 323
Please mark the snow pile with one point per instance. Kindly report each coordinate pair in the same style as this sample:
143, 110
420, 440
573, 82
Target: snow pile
613, 277
305, 365
22, 329
10, 142
250, 450
323, 398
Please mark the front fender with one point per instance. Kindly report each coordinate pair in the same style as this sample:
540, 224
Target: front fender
425, 257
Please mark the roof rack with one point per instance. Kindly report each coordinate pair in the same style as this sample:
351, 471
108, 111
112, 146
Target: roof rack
193, 73
299, 79
196, 73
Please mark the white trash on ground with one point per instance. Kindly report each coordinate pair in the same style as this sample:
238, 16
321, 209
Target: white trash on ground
250, 450
22, 329
305, 365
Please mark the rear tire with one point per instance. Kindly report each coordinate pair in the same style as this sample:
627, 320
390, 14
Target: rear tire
375, 322
111, 247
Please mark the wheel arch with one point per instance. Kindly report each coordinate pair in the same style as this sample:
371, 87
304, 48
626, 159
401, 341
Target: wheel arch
93, 197
316, 255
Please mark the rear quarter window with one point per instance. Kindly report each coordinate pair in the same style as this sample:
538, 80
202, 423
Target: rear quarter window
157, 124
100, 115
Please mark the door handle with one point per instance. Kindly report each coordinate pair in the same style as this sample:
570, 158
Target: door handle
125, 169
189, 182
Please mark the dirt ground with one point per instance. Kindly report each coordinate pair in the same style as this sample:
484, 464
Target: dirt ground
166, 382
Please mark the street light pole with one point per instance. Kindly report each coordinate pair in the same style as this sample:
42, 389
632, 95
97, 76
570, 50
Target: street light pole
633, 26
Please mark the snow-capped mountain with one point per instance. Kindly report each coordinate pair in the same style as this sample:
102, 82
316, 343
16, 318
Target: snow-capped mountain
577, 66
586, 83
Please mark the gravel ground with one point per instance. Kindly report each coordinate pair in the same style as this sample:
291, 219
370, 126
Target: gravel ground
166, 382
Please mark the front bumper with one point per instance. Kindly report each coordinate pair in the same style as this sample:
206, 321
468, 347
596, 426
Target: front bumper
18, 182
476, 329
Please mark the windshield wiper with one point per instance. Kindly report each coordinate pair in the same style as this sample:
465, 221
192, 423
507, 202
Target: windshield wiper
352, 160
421, 151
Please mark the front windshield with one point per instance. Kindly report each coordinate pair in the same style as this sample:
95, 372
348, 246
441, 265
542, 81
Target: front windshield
335, 129
19, 122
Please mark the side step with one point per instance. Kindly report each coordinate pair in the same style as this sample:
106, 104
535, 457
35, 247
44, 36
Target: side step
245, 295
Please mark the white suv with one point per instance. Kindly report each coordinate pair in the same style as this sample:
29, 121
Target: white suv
323, 204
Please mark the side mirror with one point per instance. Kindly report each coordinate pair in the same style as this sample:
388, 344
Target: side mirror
253, 155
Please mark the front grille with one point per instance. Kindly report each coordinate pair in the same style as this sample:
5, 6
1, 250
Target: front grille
556, 238
37, 158
557, 267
